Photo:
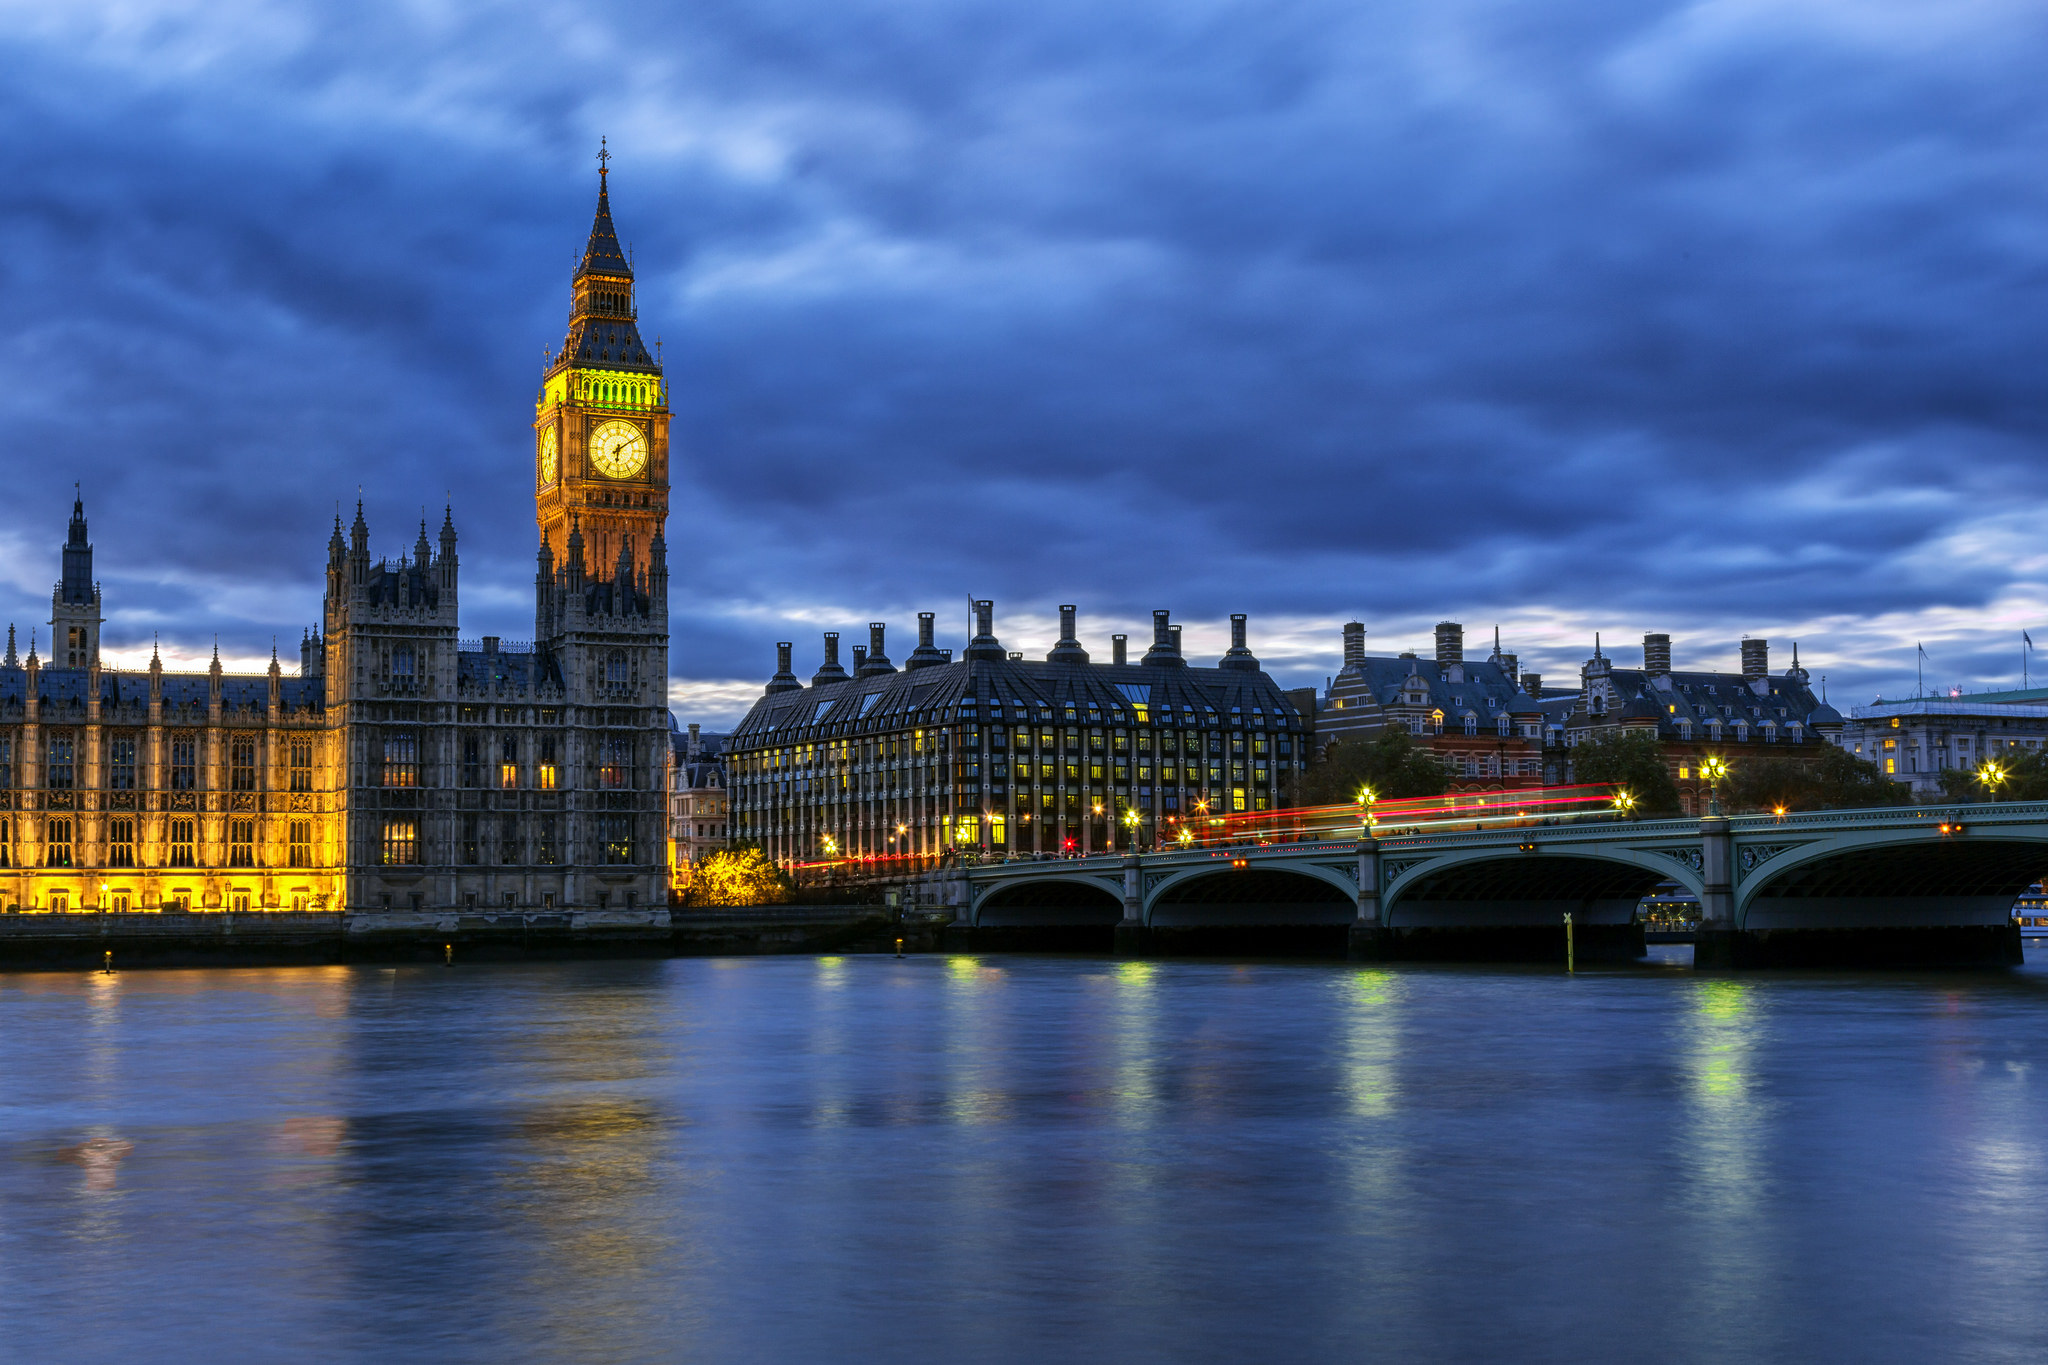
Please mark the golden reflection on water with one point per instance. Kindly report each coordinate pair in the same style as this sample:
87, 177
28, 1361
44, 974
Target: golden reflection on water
1136, 1083
977, 1020
1726, 1126
1371, 1044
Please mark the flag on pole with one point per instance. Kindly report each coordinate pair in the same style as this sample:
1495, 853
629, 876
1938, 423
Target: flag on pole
2028, 638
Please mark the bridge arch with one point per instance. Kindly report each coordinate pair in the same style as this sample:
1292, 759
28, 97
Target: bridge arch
1263, 893
1917, 877
1598, 884
1031, 902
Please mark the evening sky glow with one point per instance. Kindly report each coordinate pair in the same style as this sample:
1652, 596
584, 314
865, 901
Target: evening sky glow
1716, 319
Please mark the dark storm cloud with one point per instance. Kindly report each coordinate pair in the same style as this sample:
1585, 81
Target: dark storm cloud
1710, 318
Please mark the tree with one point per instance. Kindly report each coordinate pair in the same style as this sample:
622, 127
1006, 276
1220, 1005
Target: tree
2023, 777
738, 876
1631, 761
1391, 763
1835, 780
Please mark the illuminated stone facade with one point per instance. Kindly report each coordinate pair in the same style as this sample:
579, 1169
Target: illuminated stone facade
402, 768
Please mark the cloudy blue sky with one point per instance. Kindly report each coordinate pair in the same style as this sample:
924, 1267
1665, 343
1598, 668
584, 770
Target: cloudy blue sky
1713, 318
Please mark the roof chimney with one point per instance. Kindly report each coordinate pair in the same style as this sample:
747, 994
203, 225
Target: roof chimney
695, 744
1354, 644
877, 658
1450, 642
1068, 650
1165, 651
1756, 659
784, 680
1532, 683
1238, 656
1116, 648
984, 645
830, 672
1657, 655
926, 654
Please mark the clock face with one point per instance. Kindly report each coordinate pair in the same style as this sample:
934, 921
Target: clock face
550, 455
618, 450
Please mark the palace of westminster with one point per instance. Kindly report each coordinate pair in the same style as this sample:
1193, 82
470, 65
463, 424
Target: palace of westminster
402, 768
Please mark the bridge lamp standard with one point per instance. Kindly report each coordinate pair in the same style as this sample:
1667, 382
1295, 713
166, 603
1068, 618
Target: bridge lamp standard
1366, 797
1131, 822
1715, 769
1625, 803
1990, 775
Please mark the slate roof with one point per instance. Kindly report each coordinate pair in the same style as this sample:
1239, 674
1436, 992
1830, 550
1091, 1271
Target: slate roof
68, 687
1787, 699
1020, 690
1486, 691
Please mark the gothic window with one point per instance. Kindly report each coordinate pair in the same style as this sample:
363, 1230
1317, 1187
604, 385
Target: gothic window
401, 842
7, 761
6, 842
544, 841
615, 761
471, 853
183, 852
546, 773
508, 839
184, 767
472, 761
401, 767
617, 836
615, 671
302, 765
121, 842
75, 639
121, 763
242, 763
401, 664
300, 844
508, 764
57, 842
62, 773
241, 843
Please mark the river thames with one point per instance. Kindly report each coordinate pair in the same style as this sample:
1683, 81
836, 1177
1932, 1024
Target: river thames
1022, 1159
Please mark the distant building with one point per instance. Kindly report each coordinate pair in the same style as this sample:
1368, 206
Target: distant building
1916, 740
997, 754
1473, 715
697, 798
1737, 717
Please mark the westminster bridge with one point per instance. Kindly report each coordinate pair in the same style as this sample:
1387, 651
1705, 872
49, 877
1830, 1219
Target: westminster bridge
1913, 885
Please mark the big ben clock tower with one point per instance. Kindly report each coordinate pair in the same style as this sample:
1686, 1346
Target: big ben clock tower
600, 430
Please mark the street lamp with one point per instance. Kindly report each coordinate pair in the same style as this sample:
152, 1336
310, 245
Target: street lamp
1625, 802
1990, 775
1715, 769
1366, 797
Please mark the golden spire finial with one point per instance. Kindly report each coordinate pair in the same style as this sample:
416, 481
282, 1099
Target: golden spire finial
604, 157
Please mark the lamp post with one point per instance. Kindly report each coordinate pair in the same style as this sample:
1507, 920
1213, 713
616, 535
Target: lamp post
1625, 804
1989, 776
1131, 822
1715, 769
1366, 797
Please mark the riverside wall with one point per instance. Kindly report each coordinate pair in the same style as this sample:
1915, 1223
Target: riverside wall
272, 938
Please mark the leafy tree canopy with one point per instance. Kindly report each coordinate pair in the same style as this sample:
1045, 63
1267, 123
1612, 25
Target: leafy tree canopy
1836, 780
738, 876
1631, 761
2025, 778
1391, 763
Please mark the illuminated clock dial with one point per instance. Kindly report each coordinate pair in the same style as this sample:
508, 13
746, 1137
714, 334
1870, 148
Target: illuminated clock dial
550, 455
618, 450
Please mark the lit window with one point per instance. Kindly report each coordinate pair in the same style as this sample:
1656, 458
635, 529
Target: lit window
401, 767
401, 842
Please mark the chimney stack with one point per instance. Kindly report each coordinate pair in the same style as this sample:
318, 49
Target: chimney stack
830, 671
1354, 644
876, 660
1239, 657
1532, 683
784, 680
1657, 655
1450, 643
1068, 650
984, 645
695, 746
1116, 648
1756, 659
1165, 651
926, 654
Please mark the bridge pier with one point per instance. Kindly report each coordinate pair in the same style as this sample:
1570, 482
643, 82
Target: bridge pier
1364, 943
1132, 938
1714, 942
